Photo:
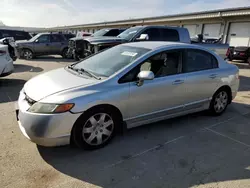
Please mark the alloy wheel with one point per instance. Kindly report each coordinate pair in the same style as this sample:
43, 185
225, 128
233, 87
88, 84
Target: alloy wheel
27, 54
98, 129
221, 101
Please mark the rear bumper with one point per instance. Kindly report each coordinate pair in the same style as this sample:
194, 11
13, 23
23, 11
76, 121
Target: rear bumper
8, 69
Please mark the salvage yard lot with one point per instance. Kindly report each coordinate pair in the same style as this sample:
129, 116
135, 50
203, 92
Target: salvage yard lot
191, 151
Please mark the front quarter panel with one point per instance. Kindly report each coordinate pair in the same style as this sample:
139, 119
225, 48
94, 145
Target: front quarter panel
110, 93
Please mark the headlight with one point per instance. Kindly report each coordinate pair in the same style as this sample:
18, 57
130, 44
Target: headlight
46, 108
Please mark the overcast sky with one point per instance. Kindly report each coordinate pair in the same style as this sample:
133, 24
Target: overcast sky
47, 13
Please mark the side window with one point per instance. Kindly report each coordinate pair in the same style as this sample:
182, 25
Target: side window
44, 39
56, 38
162, 64
153, 34
113, 32
198, 60
170, 35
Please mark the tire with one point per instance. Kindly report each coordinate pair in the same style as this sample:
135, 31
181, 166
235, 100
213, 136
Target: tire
90, 133
27, 54
220, 101
65, 53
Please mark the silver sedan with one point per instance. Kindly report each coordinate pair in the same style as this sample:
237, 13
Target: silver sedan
128, 85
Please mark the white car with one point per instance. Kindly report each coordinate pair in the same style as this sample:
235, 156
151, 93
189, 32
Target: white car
6, 62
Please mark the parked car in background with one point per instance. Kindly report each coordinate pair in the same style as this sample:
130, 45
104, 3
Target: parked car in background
144, 33
43, 44
16, 34
7, 56
130, 84
76, 45
239, 53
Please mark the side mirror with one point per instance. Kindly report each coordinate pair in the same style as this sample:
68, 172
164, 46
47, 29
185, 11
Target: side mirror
143, 37
36, 41
144, 75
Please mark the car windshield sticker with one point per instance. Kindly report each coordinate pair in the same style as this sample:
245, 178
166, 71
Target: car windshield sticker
132, 54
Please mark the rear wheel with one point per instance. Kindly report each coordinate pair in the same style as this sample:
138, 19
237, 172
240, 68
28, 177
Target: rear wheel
65, 53
95, 129
219, 102
27, 54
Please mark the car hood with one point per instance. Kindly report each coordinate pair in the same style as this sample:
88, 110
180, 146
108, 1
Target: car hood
22, 42
53, 82
95, 40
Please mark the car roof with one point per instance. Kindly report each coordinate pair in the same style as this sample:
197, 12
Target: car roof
156, 45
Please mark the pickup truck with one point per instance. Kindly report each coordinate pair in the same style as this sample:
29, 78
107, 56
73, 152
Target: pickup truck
147, 33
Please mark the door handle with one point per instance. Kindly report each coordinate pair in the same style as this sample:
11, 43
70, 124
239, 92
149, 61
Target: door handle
47, 44
177, 82
62, 43
213, 76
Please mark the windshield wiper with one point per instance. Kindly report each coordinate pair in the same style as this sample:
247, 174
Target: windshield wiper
89, 73
81, 70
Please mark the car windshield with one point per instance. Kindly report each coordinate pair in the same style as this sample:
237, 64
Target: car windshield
129, 33
101, 32
112, 60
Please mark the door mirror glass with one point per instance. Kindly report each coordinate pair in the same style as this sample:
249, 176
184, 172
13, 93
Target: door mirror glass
145, 75
143, 37
36, 41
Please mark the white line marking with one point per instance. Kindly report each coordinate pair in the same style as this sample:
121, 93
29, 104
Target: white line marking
178, 138
143, 152
242, 143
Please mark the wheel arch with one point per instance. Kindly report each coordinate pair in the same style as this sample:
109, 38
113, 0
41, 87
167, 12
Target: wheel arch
98, 107
226, 88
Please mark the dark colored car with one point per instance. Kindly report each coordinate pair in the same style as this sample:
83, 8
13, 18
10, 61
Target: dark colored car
43, 44
77, 44
239, 53
17, 35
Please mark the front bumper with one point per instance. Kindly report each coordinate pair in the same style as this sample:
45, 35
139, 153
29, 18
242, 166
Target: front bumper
44, 129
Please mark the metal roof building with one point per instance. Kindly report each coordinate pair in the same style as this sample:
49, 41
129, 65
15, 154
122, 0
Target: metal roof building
232, 24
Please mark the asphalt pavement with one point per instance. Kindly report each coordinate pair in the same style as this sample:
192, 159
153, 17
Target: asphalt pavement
197, 150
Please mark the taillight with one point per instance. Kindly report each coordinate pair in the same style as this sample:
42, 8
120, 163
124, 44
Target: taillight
228, 52
2, 52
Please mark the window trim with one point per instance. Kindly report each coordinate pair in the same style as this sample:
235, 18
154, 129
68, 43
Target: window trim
181, 50
44, 35
203, 51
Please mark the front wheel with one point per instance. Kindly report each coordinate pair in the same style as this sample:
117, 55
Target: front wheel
27, 54
219, 102
95, 129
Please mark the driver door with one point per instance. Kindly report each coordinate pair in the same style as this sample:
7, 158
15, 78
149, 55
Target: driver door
42, 45
162, 96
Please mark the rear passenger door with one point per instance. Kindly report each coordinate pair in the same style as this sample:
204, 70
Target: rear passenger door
202, 76
154, 34
169, 35
57, 42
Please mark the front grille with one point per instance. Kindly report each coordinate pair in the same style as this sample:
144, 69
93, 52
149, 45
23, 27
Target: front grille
29, 100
